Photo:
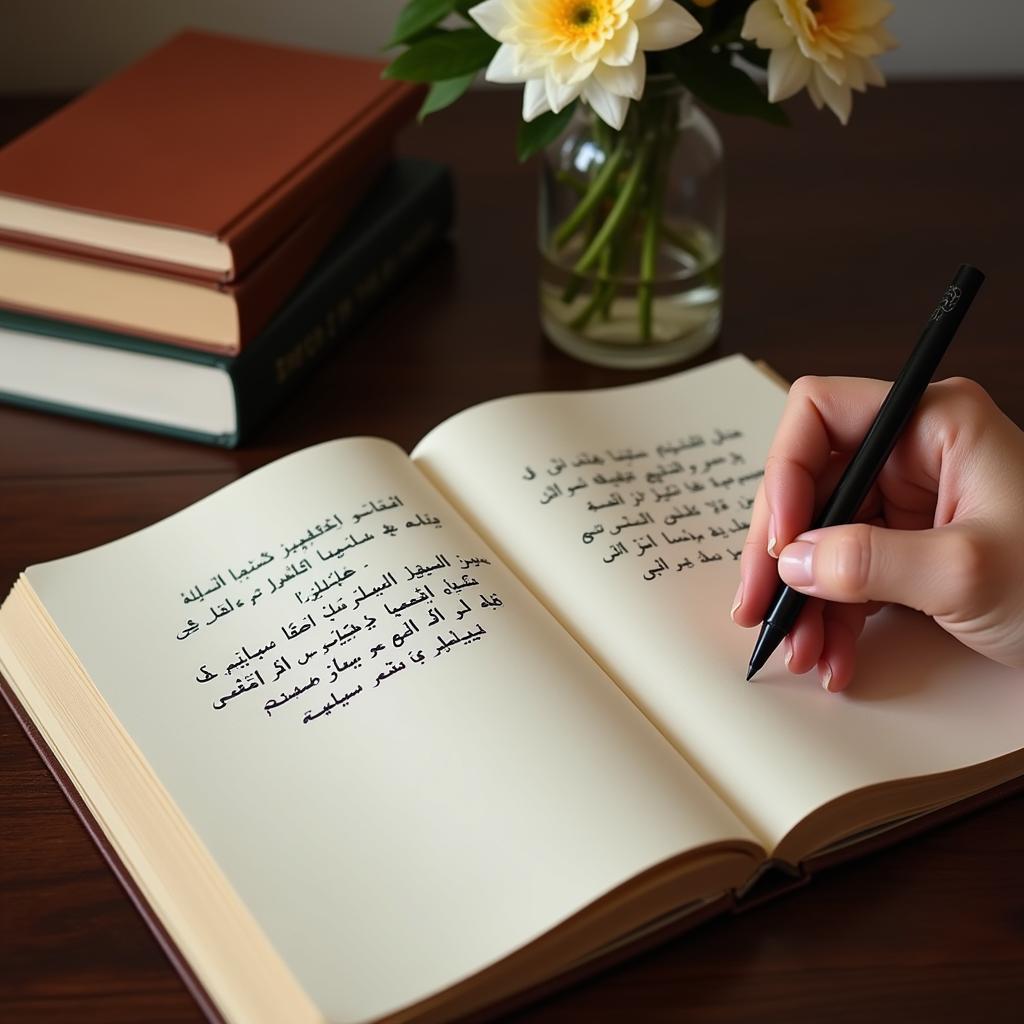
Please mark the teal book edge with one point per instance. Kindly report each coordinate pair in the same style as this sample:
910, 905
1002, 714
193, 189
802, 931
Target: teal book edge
408, 210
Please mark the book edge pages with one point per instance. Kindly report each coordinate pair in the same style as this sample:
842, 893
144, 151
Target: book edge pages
117, 866
233, 1001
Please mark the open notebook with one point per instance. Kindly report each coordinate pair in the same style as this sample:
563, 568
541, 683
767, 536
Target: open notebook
380, 737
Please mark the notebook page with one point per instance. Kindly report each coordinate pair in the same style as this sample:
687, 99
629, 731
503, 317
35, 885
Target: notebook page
399, 760
625, 510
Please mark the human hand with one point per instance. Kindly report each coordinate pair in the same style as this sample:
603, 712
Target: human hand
940, 531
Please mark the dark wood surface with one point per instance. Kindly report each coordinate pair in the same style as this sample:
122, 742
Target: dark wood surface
838, 240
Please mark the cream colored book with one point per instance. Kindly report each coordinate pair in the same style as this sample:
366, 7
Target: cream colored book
387, 736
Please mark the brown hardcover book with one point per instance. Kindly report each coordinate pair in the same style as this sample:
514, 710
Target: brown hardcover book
201, 156
378, 737
215, 316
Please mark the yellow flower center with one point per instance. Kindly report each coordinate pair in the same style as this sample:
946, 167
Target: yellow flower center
822, 22
573, 21
834, 13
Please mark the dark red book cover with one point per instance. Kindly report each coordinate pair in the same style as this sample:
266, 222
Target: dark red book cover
228, 138
256, 296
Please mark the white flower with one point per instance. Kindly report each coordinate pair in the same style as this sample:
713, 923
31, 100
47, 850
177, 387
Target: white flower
563, 49
825, 45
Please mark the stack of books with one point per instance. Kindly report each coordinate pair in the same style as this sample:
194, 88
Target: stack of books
183, 244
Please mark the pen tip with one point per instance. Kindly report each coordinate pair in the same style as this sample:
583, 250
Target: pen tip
767, 641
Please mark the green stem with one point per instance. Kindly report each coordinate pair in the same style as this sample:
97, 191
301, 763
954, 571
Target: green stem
619, 210
649, 245
666, 133
611, 265
601, 296
571, 181
602, 182
582, 318
648, 260
572, 288
575, 282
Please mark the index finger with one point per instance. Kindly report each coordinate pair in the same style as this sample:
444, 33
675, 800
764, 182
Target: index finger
822, 415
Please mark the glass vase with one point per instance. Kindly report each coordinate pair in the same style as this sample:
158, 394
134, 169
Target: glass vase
631, 230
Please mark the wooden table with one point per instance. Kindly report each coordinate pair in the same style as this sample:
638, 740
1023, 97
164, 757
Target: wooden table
837, 241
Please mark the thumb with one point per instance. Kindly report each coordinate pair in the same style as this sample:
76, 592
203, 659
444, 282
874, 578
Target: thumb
935, 571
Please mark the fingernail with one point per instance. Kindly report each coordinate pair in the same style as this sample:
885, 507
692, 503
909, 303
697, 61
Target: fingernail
772, 538
737, 601
788, 644
825, 675
795, 563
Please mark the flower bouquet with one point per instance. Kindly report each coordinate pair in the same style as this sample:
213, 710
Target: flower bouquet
632, 201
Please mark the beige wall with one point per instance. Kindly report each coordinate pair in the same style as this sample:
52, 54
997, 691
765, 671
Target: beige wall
62, 45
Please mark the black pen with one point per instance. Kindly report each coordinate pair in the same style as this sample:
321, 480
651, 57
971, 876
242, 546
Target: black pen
863, 469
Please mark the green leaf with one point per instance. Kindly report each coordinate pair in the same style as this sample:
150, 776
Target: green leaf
445, 93
444, 55
536, 134
714, 80
418, 15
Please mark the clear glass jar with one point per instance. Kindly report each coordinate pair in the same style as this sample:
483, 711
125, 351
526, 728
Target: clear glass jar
631, 232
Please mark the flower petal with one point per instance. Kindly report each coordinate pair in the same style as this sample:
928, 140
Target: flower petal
872, 75
815, 93
505, 66
670, 25
535, 99
587, 49
864, 44
788, 72
627, 81
765, 26
621, 49
884, 37
609, 107
560, 95
566, 69
853, 73
644, 8
835, 69
491, 16
838, 97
